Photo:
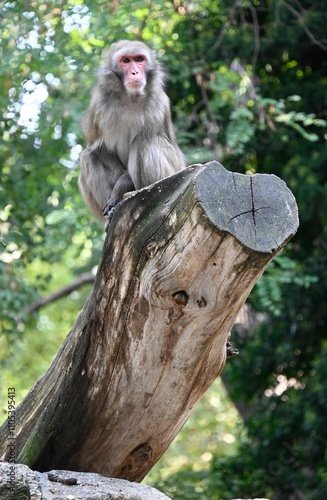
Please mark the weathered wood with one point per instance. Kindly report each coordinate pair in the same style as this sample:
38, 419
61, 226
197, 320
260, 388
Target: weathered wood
179, 261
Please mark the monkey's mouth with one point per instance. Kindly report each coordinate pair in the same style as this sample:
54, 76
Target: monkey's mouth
136, 88
135, 84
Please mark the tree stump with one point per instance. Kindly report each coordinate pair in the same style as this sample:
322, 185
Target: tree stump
179, 261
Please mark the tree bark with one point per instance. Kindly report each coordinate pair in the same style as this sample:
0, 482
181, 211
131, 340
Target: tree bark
180, 259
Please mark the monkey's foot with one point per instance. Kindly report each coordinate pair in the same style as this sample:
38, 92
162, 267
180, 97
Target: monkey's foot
108, 211
109, 207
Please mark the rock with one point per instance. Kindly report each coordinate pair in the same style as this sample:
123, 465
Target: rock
20, 482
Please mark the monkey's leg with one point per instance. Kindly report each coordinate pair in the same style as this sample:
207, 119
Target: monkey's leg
122, 186
102, 178
95, 181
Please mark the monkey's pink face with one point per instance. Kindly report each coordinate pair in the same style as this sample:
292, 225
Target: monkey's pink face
133, 68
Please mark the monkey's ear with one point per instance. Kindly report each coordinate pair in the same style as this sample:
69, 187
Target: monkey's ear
106, 74
104, 70
109, 79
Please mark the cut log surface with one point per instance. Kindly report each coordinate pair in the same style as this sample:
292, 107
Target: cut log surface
178, 263
257, 209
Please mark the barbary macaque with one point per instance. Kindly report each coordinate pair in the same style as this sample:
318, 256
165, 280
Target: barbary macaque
130, 138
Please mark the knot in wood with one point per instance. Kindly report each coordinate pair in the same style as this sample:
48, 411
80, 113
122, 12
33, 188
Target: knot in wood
201, 302
180, 297
151, 249
143, 452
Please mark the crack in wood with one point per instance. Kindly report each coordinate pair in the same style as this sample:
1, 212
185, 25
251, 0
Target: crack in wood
234, 181
252, 201
253, 209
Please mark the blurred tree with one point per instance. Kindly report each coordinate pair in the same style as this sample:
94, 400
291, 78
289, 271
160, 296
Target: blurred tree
248, 82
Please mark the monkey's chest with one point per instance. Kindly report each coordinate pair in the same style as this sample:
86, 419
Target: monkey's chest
121, 133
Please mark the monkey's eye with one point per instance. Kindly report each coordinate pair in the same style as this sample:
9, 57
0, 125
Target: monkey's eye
125, 60
139, 58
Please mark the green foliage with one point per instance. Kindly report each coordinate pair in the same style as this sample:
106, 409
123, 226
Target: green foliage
248, 85
270, 289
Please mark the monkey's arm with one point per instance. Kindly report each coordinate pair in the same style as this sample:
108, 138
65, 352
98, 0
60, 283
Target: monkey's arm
122, 186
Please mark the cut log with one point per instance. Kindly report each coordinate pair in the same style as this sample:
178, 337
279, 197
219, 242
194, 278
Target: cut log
179, 261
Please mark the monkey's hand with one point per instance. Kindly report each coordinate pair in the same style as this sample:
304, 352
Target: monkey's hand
108, 211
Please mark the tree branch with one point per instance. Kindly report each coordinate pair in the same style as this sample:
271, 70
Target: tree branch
83, 279
305, 27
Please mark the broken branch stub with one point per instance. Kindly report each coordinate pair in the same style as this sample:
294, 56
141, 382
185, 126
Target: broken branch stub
179, 261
